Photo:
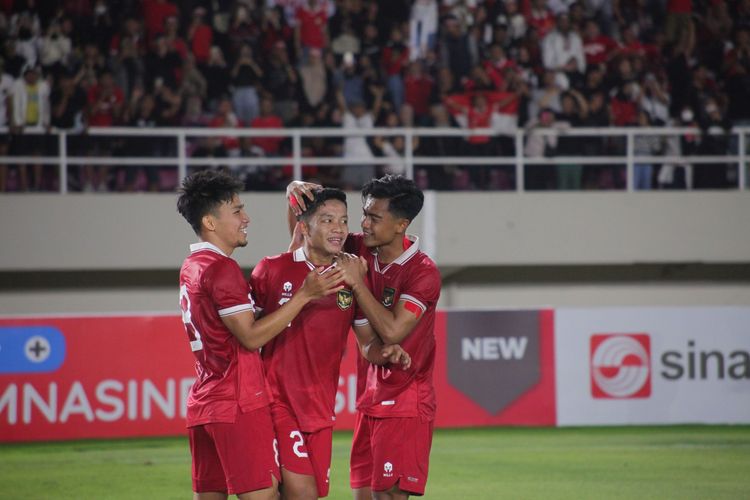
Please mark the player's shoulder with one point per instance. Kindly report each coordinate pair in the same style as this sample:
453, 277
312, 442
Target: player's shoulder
355, 243
279, 260
423, 265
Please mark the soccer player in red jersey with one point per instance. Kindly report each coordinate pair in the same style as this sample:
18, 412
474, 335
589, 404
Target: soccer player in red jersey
231, 435
396, 408
303, 363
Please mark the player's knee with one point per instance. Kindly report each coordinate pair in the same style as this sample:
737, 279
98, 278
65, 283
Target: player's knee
298, 491
394, 493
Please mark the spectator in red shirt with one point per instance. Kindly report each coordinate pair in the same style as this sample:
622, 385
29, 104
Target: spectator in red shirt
539, 16
418, 88
497, 63
267, 119
225, 117
679, 14
395, 58
105, 106
624, 105
200, 36
155, 12
599, 49
631, 45
172, 35
311, 31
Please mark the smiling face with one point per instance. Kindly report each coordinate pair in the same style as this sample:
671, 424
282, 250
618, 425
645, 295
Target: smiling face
226, 227
379, 226
325, 231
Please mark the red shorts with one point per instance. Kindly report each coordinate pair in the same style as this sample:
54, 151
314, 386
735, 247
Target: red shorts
390, 451
300, 452
235, 458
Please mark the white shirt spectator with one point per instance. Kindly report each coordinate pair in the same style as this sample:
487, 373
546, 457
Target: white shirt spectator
6, 94
422, 25
357, 147
54, 49
21, 101
558, 49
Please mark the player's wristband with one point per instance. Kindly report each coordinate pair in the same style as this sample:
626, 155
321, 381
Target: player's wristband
293, 202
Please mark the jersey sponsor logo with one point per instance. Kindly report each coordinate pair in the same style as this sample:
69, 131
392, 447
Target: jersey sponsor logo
620, 366
388, 295
344, 299
286, 294
387, 469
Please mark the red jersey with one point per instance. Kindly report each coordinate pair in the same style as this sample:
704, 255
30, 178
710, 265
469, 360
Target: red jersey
302, 363
270, 145
102, 112
229, 376
154, 14
414, 278
312, 24
598, 49
417, 90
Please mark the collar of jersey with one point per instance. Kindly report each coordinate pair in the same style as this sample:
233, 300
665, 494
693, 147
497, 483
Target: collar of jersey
299, 256
401, 259
204, 245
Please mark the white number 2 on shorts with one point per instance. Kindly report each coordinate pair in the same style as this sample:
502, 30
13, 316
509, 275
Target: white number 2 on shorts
298, 443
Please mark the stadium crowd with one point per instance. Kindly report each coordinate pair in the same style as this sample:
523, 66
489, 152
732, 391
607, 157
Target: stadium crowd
73, 64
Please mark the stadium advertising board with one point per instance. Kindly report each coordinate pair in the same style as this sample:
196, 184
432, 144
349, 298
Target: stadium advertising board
652, 365
89, 377
495, 368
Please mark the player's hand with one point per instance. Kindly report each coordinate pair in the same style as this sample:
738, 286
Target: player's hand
396, 355
353, 267
318, 284
297, 192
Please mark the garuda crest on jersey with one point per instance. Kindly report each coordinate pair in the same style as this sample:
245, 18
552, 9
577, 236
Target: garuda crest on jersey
388, 295
344, 299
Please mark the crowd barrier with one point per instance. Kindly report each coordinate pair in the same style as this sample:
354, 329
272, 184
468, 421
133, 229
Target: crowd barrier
77, 377
671, 156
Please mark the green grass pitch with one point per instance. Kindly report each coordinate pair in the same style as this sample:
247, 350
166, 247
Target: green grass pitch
681, 462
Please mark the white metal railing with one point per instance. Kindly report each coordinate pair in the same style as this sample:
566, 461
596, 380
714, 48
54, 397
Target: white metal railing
182, 161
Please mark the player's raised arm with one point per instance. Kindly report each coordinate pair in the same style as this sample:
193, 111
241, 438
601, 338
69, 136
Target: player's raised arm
254, 334
298, 194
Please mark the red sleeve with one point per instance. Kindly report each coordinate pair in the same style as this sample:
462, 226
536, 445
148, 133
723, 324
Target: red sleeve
227, 288
259, 284
422, 289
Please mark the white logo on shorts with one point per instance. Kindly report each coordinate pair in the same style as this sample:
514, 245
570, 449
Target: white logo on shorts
388, 468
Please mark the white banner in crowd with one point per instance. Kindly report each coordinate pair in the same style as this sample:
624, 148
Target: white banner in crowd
652, 365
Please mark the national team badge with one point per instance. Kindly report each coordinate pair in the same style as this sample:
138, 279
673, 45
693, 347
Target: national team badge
344, 299
388, 296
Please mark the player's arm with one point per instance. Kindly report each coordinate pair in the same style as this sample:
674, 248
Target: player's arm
297, 194
391, 326
254, 334
373, 350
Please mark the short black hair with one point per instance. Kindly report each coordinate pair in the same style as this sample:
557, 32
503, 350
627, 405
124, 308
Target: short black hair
201, 193
405, 199
320, 197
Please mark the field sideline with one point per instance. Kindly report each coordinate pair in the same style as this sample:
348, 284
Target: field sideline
486, 463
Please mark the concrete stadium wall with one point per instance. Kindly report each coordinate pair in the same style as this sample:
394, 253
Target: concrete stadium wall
92, 253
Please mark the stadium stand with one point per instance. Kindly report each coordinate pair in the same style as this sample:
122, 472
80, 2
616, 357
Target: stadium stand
507, 64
